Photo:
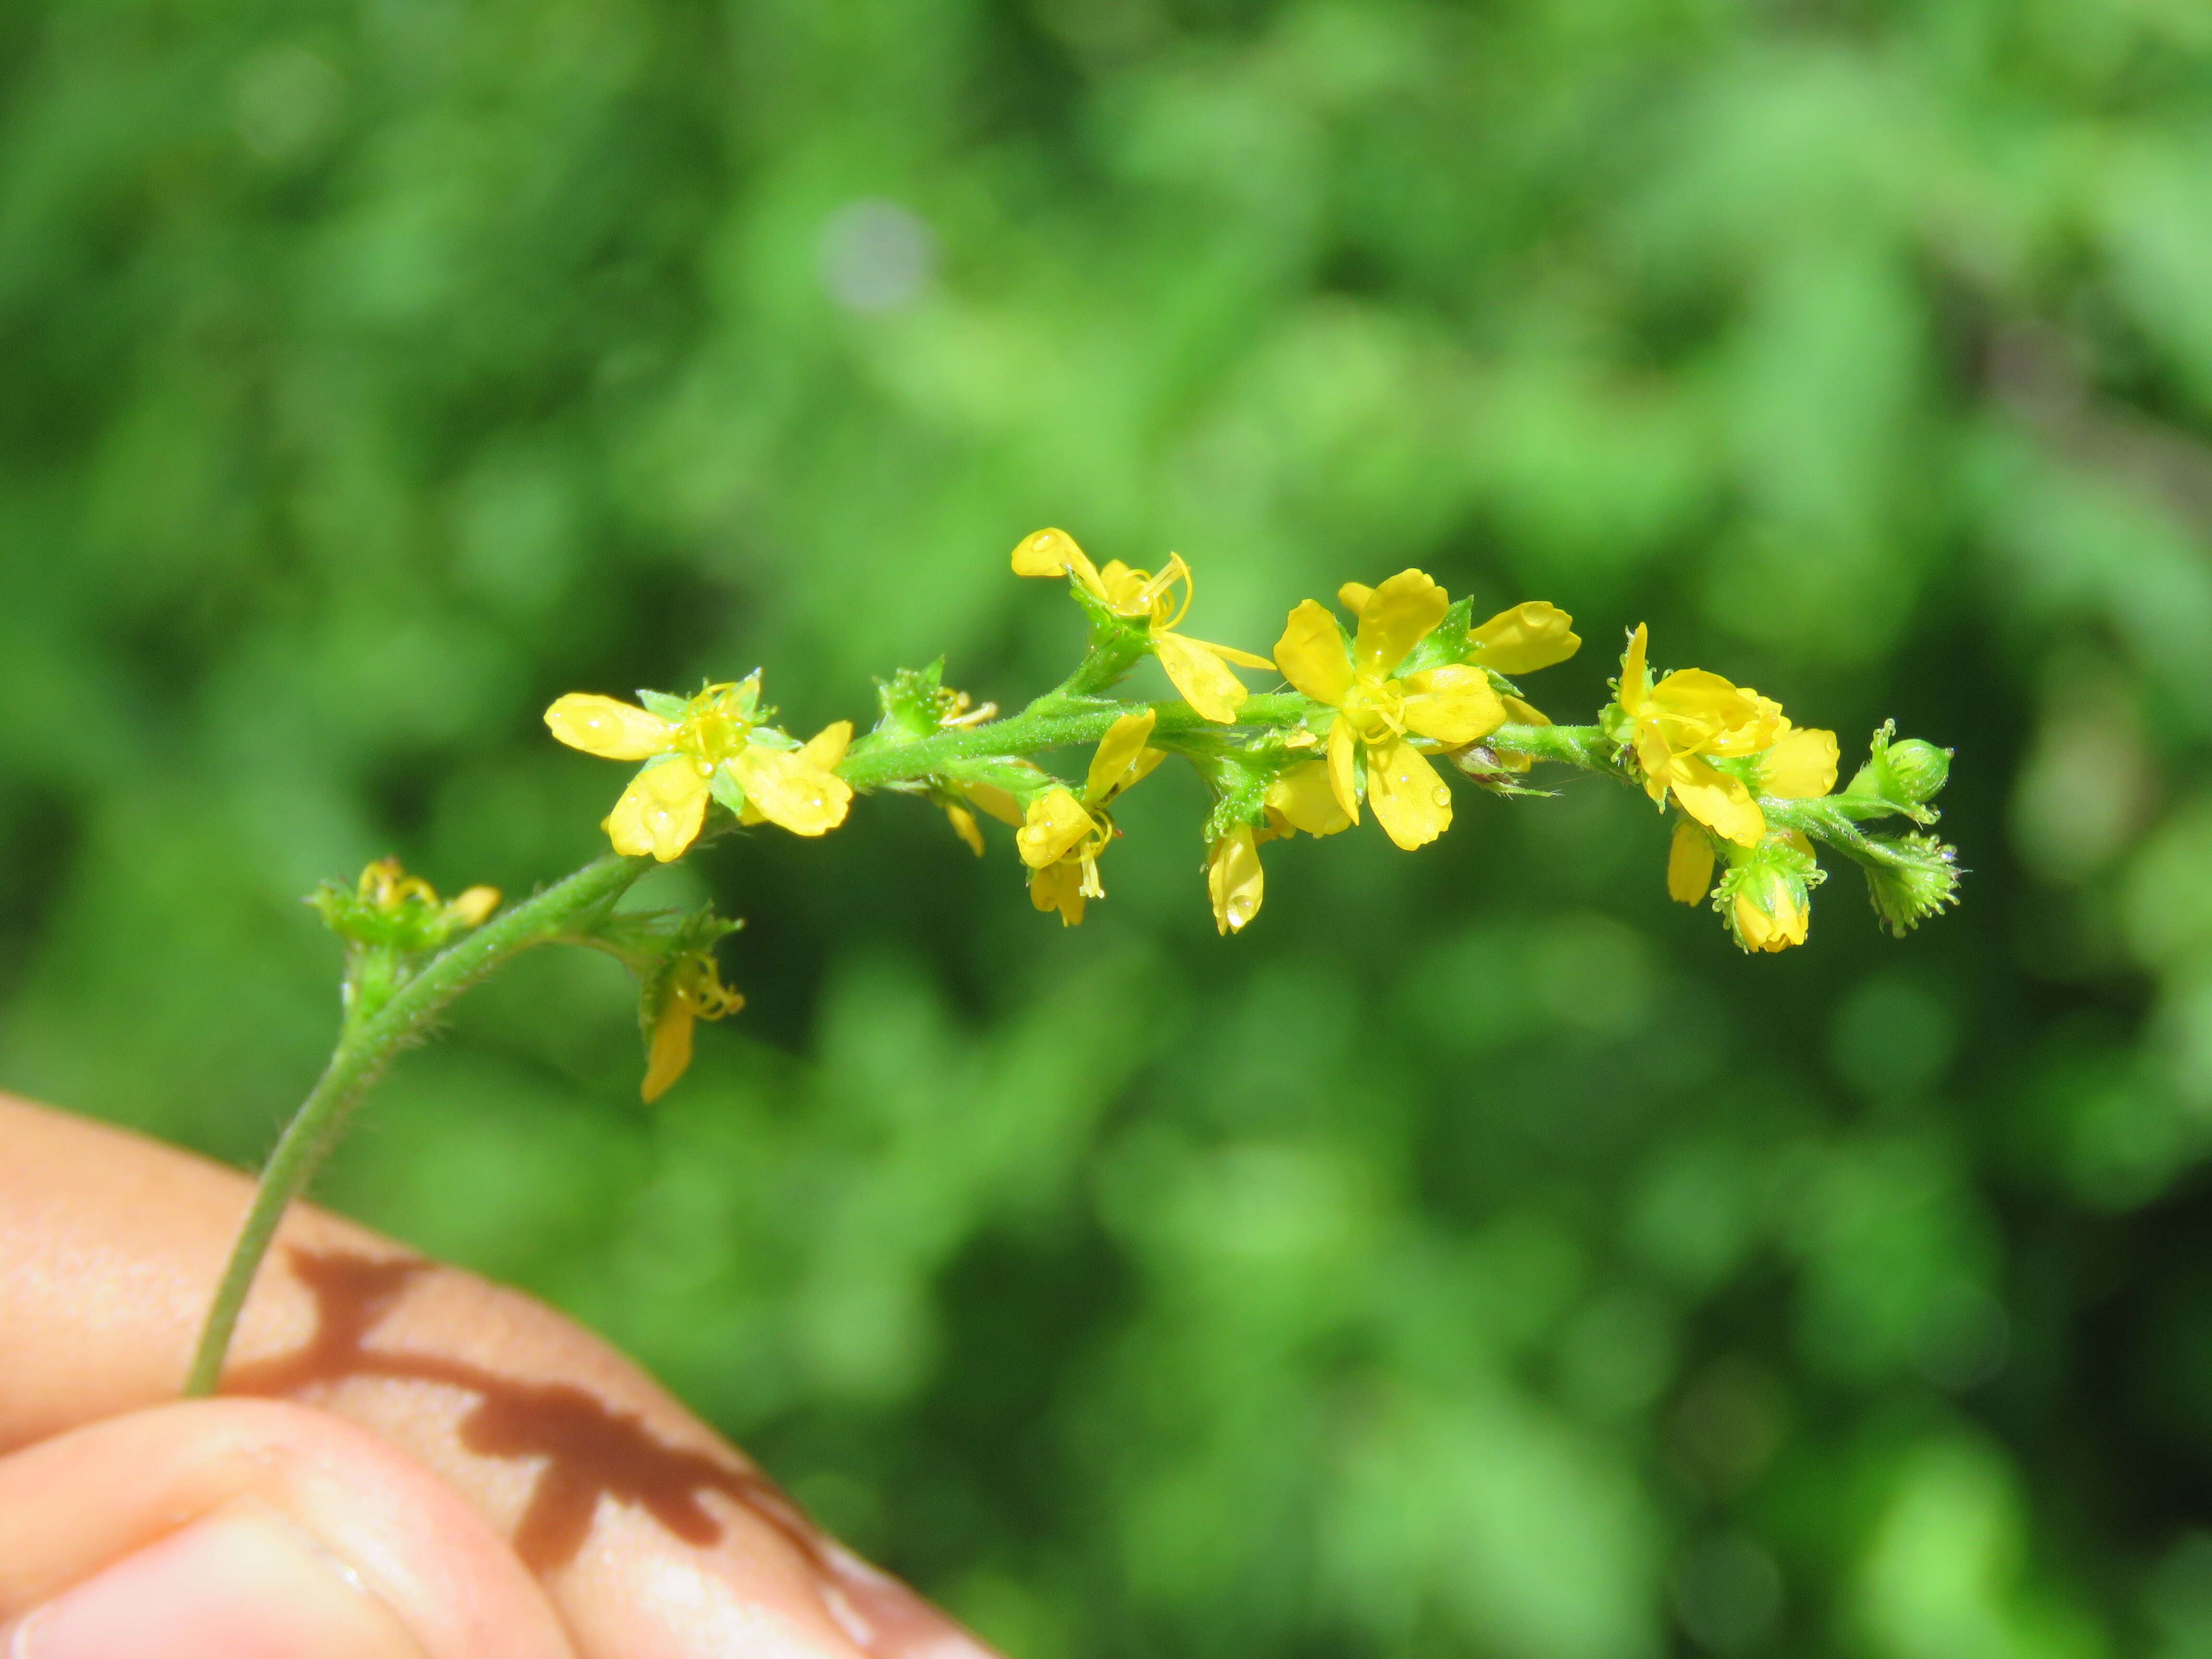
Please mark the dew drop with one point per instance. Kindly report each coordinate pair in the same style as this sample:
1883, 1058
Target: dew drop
1442, 796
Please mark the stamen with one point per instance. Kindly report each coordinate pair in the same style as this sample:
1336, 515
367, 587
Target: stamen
1176, 571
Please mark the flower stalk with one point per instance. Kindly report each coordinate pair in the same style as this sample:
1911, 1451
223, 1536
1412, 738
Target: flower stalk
365, 1048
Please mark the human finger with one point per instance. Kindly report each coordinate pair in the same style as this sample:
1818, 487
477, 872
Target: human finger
652, 1537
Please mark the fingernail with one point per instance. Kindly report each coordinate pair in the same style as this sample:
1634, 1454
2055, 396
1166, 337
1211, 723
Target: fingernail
897, 1623
243, 1582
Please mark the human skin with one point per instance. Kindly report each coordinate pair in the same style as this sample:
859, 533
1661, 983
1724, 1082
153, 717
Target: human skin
404, 1459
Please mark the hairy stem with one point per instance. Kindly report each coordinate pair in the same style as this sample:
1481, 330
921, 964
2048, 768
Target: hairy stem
363, 1052
1583, 746
1055, 722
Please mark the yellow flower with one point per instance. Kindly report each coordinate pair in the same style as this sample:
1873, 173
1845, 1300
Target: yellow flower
1448, 707
1769, 910
1673, 727
1200, 671
715, 746
694, 991
1063, 836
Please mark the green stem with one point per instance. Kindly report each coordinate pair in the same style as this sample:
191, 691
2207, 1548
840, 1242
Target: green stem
1051, 722
363, 1052
1583, 746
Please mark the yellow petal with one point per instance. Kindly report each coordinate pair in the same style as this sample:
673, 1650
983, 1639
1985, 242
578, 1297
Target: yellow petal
1234, 880
783, 788
1634, 678
1049, 552
1526, 638
1800, 765
1127, 593
1311, 654
608, 728
1453, 704
1354, 597
1202, 678
670, 1054
1689, 863
1753, 926
963, 825
1774, 928
1229, 653
1307, 799
1713, 714
1343, 781
1655, 762
660, 812
1120, 760
998, 803
1718, 801
826, 748
1046, 553
1056, 823
1059, 887
1400, 613
1410, 801
471, 905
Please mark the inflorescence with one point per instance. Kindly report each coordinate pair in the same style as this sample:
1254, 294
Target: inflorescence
1379, 706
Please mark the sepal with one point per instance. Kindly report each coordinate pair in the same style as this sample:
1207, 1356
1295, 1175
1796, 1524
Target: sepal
1918, 878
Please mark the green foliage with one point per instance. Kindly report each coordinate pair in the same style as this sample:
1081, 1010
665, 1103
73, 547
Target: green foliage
1475, 1256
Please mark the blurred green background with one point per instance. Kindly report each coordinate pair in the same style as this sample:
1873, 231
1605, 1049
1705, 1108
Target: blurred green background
1479, 1256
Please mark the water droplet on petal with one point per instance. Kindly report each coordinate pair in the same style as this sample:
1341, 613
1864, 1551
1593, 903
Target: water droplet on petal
1442, 796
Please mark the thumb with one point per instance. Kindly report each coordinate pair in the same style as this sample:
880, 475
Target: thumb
247, 1529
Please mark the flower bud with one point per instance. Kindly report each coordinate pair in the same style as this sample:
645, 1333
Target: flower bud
1916, 770
1906, 775
1766, 897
